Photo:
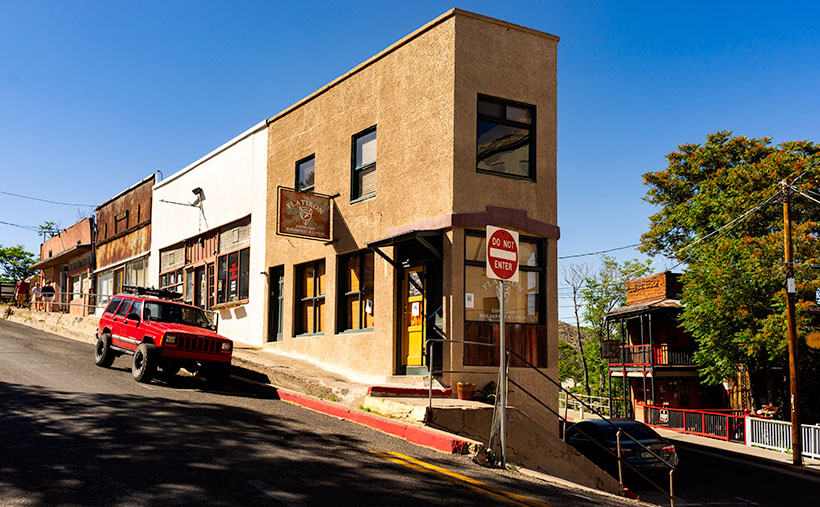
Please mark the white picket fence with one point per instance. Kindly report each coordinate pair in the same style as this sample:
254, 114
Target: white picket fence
777, 435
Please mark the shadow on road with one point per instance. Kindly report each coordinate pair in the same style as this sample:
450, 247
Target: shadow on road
90, 449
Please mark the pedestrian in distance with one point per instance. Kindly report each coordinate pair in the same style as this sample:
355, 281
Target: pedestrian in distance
37, 296
48, 296
21, 293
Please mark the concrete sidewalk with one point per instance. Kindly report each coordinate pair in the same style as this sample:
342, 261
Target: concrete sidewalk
732, 450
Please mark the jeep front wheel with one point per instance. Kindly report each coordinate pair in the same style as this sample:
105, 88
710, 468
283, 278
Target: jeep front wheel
103, 355
144, 365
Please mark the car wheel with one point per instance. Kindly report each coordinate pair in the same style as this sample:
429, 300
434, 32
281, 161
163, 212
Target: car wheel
103, 355
144, 366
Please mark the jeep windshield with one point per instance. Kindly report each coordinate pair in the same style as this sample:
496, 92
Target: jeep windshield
175, 314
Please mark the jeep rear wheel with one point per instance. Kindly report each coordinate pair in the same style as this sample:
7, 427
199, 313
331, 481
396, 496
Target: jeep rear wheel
144, 366
103, 355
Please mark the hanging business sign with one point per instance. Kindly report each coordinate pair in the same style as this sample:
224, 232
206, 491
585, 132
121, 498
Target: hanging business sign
303, 214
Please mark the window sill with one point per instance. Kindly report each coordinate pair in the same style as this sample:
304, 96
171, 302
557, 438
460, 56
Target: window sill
308, 335
363, 198
356, 331
506, 175
231, 304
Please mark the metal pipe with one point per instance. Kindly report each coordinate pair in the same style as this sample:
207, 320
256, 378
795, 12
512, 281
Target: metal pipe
620, 466
672, 487
502, 391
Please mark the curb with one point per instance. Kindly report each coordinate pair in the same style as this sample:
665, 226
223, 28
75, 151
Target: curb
413, 433
385, 391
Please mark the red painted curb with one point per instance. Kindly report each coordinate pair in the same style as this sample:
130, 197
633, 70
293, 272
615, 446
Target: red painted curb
420, 435
408, 391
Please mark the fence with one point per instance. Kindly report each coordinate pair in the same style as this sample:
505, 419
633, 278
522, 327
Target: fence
89, 303
599, 403
722, 426
777, 435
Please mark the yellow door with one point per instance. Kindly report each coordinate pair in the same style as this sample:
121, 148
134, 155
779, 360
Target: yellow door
413, 320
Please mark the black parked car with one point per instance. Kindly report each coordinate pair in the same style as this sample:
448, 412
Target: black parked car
585, 436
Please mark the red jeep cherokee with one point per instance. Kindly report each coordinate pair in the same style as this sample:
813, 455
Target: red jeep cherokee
160, 333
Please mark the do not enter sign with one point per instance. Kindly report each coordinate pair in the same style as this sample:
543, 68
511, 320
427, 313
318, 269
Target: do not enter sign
502, 254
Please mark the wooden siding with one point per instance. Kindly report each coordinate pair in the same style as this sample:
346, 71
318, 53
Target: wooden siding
202, 248
527, 340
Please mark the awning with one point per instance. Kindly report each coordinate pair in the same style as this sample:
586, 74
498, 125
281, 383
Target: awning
643, 307
421, 237
63, 257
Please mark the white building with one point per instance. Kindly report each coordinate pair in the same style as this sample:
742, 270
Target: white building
208, 237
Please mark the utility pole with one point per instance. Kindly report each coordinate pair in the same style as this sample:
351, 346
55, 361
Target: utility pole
797, 429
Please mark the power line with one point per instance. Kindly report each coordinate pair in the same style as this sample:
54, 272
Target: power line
26, 227
48, 201
599, 252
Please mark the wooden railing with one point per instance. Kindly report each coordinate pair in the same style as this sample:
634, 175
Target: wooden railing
663, 355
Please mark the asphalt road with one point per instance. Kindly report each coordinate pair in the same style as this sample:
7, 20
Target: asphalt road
76, 434
705, 477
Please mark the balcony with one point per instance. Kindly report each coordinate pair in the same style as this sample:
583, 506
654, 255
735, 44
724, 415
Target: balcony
643, 357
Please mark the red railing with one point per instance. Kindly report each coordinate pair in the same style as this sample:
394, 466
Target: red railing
705, 423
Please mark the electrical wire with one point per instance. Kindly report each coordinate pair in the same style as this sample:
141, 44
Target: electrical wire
47, 200
26, 227
599, 252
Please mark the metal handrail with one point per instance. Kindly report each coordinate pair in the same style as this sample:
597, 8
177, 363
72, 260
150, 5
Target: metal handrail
101, 301
563, 419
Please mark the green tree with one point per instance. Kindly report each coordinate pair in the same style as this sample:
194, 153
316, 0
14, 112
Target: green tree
720, 214
15, 263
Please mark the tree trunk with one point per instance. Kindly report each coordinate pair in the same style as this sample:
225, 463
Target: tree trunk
581, 350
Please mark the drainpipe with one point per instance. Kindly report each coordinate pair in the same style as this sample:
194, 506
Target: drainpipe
652, 357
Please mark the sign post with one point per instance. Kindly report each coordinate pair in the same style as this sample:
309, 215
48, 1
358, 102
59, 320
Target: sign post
502, 265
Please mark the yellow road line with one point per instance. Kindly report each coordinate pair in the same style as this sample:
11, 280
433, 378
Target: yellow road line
475, 485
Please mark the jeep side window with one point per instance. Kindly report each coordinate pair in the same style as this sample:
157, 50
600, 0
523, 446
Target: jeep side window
123, 308
112, 305
136, 308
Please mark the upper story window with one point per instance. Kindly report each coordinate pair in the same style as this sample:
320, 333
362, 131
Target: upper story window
506, 138
363, 178
305, 174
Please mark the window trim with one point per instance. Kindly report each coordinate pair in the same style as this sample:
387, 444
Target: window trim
355, 191
299, 162
532, 176
343, 276
541, 269
300, 299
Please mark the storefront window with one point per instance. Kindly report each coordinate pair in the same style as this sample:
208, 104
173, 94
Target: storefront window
136, 271
310, 297
233, 272
356, 287
524, 299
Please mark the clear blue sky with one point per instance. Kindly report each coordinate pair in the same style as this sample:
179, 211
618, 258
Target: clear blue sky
96, 95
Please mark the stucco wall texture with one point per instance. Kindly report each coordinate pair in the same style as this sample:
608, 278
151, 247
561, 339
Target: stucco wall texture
421, 93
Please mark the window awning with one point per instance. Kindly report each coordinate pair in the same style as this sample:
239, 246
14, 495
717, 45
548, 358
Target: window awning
63, 257
421, 237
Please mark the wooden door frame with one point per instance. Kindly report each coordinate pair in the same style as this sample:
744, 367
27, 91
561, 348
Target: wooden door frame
403, 318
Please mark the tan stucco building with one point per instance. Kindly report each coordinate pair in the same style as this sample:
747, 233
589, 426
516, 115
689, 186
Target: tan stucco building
448, 130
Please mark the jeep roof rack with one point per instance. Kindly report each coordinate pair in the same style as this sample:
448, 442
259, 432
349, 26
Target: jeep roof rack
145, 291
